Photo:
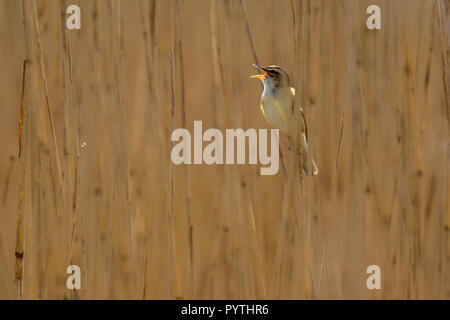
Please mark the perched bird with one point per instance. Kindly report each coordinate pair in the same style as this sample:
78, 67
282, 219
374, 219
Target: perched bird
277, 105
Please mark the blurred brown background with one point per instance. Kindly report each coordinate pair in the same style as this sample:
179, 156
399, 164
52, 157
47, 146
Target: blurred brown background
94, 185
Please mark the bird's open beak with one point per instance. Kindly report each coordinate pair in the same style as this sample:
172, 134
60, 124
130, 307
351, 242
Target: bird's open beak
259, 76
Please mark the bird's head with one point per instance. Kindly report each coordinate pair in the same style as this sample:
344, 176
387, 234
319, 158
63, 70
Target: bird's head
273, 76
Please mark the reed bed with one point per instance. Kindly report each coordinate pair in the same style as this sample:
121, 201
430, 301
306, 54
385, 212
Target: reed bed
86, 176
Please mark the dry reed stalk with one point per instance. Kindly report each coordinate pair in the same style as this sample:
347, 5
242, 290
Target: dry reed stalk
159, 123
293, 164
77, 240
218, 70
428, 70
38, 216
445, 80
24, 128
8, 176
415, 172
186, 168
146, 34
4, 278
21, 105
254, 196
298, 199
125, 124
341, 131
306, 236
120, 76
155, 20
144, 286
399, 145
19, 250
444, 59
64, 89
171, 214
248, 274
252, 261
231, 95
222, 223
154, 94
249, 31
77, 247
287, 196
64, 123
276, 17
58, 193
260, 281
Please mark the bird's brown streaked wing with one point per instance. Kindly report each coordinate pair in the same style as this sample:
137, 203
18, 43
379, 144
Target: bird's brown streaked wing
304, 127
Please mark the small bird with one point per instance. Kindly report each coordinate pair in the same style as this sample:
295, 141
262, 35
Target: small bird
277, 105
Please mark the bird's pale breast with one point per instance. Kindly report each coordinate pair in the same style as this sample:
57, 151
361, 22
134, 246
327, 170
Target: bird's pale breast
276, 106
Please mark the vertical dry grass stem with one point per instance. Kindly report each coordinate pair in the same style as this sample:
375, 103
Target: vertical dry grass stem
254, 52
121, 79
50, 116
288, 188
444, 58
341, 130
171, 174
348, 88
186, 168
218, 74
19, 250
155, 23
146, 35
8, 178
222, 244
24, 65
249, 31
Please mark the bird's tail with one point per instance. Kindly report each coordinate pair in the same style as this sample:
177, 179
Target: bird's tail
307, 162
